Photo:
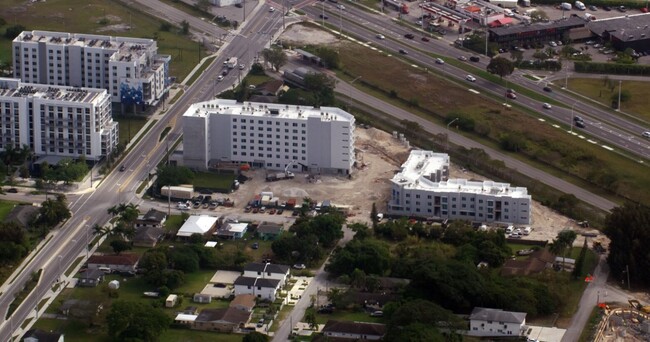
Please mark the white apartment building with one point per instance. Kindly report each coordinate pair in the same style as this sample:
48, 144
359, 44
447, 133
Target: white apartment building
129, 68
422, 189
56, 120
273, 136
496, 322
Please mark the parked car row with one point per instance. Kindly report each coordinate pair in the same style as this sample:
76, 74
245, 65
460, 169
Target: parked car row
262, 210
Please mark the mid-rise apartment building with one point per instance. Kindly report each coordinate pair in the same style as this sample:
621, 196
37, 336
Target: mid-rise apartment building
271, 136
130, 69
422, 189
56, 120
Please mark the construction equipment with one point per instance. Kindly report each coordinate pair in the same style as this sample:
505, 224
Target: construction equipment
278, 176
637, 305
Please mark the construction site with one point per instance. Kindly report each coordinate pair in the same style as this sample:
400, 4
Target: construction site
624, 324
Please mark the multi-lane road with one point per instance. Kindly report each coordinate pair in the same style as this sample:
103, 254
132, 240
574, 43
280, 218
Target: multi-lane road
602, 126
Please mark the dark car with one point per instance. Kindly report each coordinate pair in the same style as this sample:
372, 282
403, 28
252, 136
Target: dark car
224, 73
607, 8
239, 5
323, 16
403, 52
578, 118
12, 190
425, 39
325, 310
580, 124
548, 89
475, 59
122, 168
255, 245
409, 36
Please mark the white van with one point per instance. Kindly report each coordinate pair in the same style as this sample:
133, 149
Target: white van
527, 230
106, 270
510, 229
580, 6
565, 6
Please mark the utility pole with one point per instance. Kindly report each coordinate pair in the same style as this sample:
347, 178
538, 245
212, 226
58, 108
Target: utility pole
447, 141
620, 82
627, 271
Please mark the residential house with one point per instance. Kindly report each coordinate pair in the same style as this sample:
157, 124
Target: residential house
185, 319
223, 320
264, 288
78, 308
266, 270
232, 230
244, 302
153, 218
117, 263
90, 278
270, 88
354, 330
198, 224
202, 298
496, 322
537, 262
269, 230
37, 335
148, 236
392, 285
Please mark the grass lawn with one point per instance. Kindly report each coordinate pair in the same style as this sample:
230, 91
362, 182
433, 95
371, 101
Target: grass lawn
602, 90
129, 127
592, 324
195, 282
257, 79
184, 335
544, 146
345, 315
212, 180
5, 208
173, 223
70, 16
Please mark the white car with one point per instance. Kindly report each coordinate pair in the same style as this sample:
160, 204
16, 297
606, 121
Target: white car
219, 78
272, 9
470, 78
546, 106
646, 134
439, 61
241, 67
341, 7
380, 36
299, 266
552, 43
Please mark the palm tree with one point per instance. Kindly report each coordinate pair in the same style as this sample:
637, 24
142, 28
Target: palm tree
100, 230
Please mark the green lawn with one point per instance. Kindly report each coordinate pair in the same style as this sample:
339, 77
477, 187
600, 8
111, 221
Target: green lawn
195, 282
183, 335
345, 315
70, 16
173, 223
602, 90
129, 127
212, 180
5, 208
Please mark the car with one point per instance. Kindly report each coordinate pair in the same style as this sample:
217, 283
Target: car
419, 23
122, 168
256, 210
580, 124
272, 9
590, 42
607, 8
262, 210
440, 61
241, 67
593, 8
322, 16
272, 212
403, 52
597, 46
239, 5
621, 9
578, 118
645, 134
299, 266
475, 59
470, 78
377, 314
325, 310
425, 39
224, 72
380, 36
548, 89
511, 96
546, 106
260, 323
409, 36
552, 43
341, 7
248, 209
462, 58
255, 245
295, 213
15, 191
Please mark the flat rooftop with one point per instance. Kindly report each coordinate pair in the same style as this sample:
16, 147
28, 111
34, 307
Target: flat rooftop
266, 110
422, 163
627, 28
124, 48
11, 87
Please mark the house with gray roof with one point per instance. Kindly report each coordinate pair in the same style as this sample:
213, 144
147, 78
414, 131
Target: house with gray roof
496, 322
354, 330
263, 288
267, 271
269, 230
37, 335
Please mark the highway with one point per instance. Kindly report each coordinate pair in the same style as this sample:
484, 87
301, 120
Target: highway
607, 129
88, 209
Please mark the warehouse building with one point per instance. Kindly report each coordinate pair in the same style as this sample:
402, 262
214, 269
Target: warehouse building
130, 69
631, 31
271, 136
422, 189
537, 33
56, 120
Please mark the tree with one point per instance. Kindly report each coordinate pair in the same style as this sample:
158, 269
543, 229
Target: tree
53, 212
369, 256
185, 27
322, 88
627, 228
255, 337
13, 31
275, 56
538, 15
310, 318
132, 321
580, 262
501, 66
563, 241
329, 57
373, 215
517, 55
173, 175
120, 246
202, 5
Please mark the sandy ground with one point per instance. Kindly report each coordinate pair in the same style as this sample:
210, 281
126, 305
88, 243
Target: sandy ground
298, 34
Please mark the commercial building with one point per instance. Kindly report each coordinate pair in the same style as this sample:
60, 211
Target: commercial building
631, 31
130, 69
56, 120
537, 33
272, 136
422, 189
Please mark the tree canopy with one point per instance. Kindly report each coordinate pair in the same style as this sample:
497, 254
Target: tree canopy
627, 228
275, 56
501, 66
173, 175
370, 256
132, 321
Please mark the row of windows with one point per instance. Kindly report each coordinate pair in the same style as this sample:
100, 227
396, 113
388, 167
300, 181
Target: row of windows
268, 129
268, 122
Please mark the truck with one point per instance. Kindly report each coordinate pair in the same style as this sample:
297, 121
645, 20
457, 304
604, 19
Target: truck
177, 192
231, 63
398, 6
276, 176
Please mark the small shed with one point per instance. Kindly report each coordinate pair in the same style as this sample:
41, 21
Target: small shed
202, 298
171, 301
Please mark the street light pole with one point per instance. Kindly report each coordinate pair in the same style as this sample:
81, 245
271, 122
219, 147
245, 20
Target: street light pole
620, 82
447, 140
571, 121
